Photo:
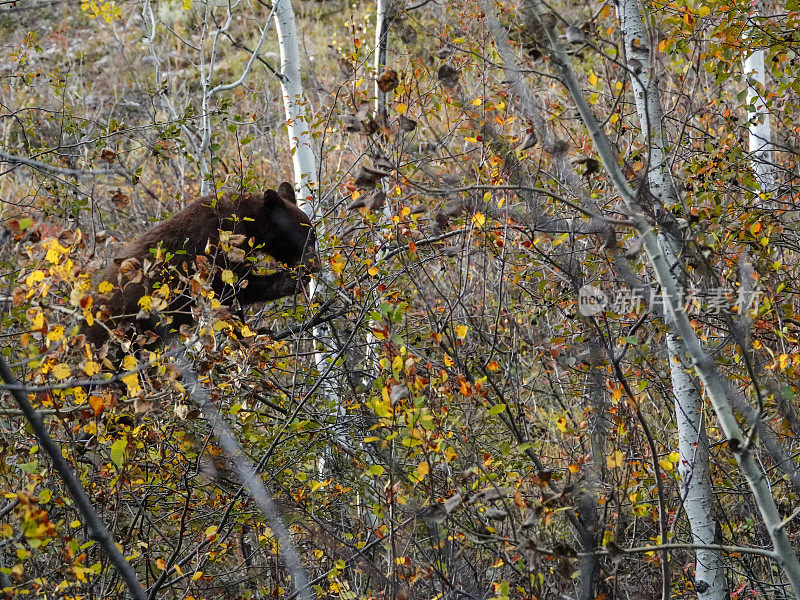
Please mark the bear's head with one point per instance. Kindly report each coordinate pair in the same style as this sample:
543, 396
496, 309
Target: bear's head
285, 231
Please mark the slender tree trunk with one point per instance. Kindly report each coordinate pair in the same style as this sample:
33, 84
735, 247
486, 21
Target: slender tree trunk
383, 12
306, 180
695, 484
760, 130
296, 106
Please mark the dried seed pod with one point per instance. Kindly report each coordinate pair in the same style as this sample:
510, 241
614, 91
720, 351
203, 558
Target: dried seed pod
448, 75
388, 80
367, 177
407, 124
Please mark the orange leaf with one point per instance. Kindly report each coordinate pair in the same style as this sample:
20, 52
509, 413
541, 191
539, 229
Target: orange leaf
98, 404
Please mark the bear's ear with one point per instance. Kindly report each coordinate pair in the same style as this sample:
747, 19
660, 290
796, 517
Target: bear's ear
272, 199
286, 191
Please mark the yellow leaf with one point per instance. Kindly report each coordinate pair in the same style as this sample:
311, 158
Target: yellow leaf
34, 278
198, 574
80, 395
471, 140
54, 252
593, 79
477, 101
561, 423
574, 468
55, 333
219, 325
132, 382
145, 302
105, 287
666, 464
479, 219
383, 409
461, 331
614, 118
401, 108
423, 469
91, 368
38, 321
593, 98
227, 276
674, 457
372, 271
247, 332
187, 4
61, 371
704, 10
615, 460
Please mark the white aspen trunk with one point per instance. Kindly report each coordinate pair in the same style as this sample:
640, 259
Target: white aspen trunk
296, 107
382, 21
759, 129
695, 484
714, 385
307, 184
381, 52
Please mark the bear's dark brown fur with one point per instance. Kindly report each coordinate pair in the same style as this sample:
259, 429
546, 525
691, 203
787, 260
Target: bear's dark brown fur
189, 242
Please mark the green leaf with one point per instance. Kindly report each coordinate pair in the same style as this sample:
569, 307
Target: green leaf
376, 470
118, 451
497, 409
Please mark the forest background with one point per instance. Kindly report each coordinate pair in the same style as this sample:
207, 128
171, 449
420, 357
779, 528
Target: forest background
552, 347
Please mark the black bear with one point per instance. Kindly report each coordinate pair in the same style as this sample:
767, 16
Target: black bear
198, 243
